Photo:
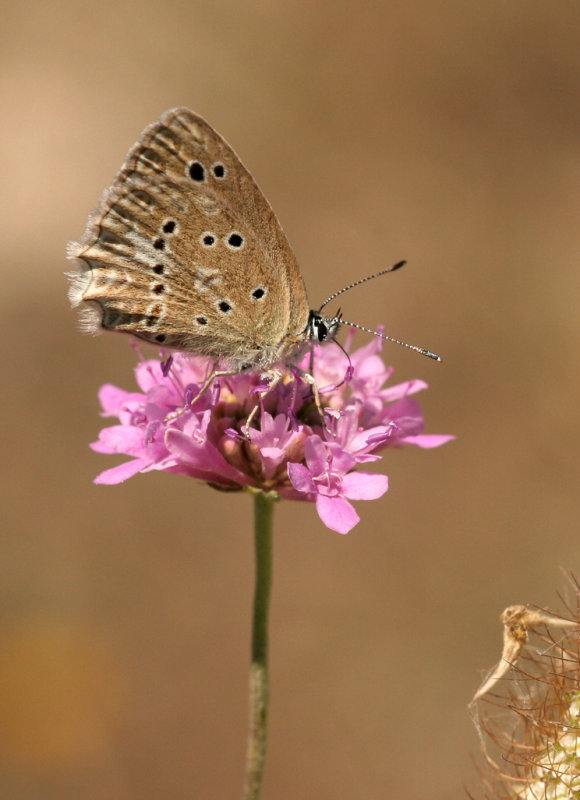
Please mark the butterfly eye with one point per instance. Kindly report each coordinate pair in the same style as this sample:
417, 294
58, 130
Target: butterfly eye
196, 172
235, 241
219, 171
317, 328
321, 331
258, 293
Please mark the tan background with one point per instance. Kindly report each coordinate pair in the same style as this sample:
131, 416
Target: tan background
447, 133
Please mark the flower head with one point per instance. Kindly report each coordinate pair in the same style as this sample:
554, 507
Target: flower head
527, 712
286, 447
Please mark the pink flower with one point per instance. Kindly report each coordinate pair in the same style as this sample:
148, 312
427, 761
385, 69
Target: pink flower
327, 477
287, 448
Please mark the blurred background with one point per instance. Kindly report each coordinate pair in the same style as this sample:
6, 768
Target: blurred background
446, 133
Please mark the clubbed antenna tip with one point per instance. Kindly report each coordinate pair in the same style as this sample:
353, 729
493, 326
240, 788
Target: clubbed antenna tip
396, 266
423, 350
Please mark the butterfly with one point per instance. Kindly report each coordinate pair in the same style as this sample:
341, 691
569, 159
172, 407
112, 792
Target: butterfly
184, 251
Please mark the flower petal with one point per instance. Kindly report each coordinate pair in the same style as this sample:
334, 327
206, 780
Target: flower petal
364, 485
428, 440
112, 399
402, 390
316, 455
300, 477
336, 513
149, 374
119, 439
202, 460
122, 472
407, 417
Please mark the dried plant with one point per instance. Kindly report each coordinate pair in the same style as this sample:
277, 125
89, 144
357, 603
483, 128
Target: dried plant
527, 711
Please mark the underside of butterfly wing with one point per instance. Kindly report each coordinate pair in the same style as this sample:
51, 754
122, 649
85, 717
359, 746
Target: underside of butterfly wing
185, 251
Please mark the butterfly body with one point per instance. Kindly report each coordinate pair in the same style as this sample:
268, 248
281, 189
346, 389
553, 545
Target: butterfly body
185, 251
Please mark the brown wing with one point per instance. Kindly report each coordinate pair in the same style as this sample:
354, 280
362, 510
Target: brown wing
184, 249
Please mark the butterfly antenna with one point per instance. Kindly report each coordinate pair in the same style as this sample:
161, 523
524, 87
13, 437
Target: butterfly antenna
398, 265
422, 350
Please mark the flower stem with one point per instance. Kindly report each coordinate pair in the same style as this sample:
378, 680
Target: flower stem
259, 690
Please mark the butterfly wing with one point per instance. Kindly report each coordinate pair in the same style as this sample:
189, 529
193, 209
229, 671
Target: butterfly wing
185, 250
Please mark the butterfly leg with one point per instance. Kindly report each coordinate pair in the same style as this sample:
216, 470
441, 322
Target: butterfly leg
215, 373
307, 377
276, 377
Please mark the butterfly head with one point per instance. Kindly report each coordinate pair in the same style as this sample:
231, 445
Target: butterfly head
322, 329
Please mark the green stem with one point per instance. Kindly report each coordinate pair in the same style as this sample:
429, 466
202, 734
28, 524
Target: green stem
259, 691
